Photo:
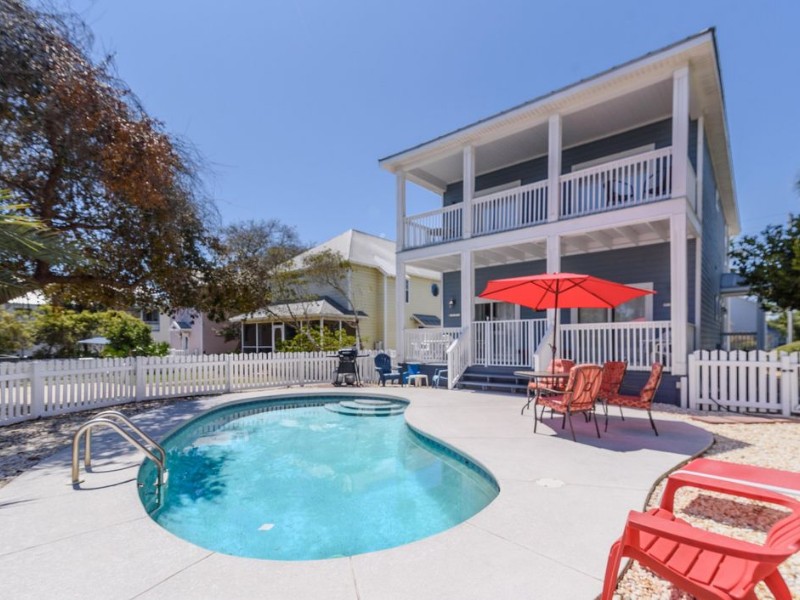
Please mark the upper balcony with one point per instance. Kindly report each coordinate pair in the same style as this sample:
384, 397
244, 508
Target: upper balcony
612, 185
627, 137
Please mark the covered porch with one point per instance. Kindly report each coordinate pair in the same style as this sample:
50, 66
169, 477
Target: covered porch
652, 250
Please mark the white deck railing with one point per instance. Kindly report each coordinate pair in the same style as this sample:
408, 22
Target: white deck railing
459, 356
620, 183
434, 227
639, 343
506, 343
429, 345
32, 389
510, 209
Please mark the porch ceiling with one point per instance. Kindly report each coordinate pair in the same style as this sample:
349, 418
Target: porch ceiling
610, 237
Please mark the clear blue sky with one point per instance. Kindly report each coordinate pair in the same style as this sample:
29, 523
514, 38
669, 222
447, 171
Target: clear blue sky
292, 102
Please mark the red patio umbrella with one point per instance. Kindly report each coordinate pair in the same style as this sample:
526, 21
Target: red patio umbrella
561, 290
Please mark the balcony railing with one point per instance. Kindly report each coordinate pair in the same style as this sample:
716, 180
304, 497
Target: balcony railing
617, 184
510, 209
621, 183
434, 227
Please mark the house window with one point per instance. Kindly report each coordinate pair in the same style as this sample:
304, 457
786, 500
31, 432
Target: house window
151, 318
612, 157
497, 188
638, 309
408, 290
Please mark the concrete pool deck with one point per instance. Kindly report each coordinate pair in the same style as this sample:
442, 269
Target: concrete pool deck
546, 535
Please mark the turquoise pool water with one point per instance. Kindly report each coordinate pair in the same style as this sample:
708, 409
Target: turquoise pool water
290, 480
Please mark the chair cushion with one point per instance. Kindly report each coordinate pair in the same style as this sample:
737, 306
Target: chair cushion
628, 401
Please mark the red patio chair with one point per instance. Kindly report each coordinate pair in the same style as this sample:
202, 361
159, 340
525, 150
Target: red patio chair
643, 401
579, 396
706, 564
547, 385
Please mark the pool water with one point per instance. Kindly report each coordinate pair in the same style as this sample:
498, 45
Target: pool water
295, 481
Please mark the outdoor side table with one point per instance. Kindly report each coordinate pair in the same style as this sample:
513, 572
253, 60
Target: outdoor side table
537, 376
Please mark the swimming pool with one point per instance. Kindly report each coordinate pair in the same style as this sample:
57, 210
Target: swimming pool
291, 479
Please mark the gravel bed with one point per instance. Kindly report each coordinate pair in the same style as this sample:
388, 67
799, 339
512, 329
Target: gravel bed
774, 444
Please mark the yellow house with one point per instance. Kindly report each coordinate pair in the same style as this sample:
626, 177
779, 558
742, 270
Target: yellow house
369, 295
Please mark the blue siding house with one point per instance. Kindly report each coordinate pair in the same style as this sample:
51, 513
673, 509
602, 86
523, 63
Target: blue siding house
625, 175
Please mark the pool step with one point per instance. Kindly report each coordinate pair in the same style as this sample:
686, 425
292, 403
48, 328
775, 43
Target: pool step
367, 407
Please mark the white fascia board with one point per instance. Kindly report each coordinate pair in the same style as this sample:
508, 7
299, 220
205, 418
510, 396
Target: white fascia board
545, 104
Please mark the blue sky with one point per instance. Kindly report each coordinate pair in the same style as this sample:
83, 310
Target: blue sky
292, 103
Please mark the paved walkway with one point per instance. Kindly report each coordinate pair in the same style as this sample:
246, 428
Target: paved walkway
546, 535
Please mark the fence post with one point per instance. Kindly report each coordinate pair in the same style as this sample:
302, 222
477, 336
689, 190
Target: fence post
788, 384
140, 376
229, 373
301, 375
37, 389
692, 381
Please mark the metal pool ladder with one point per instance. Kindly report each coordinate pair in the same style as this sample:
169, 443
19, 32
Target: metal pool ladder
111, 418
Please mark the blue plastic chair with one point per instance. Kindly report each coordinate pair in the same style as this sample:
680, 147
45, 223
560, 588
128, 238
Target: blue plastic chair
439, 376
383, 365
411, 369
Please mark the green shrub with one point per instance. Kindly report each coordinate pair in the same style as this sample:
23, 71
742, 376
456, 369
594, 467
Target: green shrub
793, 347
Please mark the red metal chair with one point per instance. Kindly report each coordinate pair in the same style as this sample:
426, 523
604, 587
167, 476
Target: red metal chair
578, 397
643, 401
547, 385
706, 564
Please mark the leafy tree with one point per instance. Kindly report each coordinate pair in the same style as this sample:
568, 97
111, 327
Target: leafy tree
59, 330
27, 238
80, 151
15, 333
300, 282
251, 254
770, 264
308, 340
128, 336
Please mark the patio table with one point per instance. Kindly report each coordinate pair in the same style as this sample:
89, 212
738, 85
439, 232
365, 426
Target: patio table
537, 376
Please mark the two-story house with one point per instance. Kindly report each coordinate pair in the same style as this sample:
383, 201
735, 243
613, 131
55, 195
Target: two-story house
625, 175
367, 293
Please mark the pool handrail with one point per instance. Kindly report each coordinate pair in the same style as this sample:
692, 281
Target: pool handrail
108, 422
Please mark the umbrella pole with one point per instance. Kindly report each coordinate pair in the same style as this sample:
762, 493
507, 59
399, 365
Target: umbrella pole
553, 346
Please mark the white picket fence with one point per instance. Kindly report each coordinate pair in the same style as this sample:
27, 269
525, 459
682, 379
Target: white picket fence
757, 381
33, 389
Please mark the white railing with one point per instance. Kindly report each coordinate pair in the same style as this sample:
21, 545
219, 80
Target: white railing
621, 183
639, 343
429, 345
510, 209
507, 343
434, 227
459, 356
32, 389
743, 381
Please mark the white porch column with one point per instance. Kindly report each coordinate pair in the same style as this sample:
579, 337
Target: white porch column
469, 190
385, 334
701, 153
466, 309
680, 130
401, 209
553, 168
698, 284
400, 308
679, 309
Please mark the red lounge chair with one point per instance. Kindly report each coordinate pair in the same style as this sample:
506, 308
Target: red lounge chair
578, 397
643, 401
611, 381
783, 482
706, 564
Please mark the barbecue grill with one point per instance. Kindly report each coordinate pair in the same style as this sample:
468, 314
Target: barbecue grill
347, 370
